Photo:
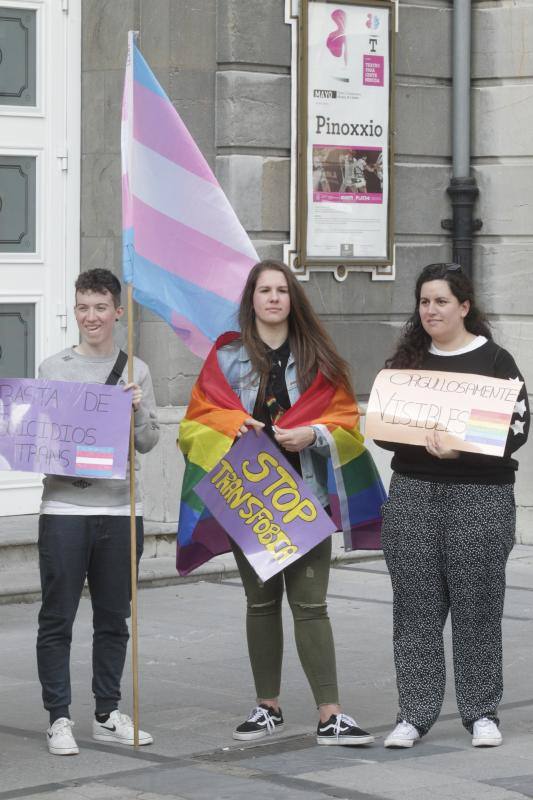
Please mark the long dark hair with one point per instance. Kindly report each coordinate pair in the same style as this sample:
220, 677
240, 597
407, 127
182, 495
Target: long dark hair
309, 341
414, 342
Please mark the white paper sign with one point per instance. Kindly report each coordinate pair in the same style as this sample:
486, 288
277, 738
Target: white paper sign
473, 412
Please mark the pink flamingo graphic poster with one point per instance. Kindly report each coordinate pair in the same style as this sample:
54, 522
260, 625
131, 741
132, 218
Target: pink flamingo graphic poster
348, 130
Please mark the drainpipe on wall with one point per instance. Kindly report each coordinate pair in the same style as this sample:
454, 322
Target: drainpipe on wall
463, 189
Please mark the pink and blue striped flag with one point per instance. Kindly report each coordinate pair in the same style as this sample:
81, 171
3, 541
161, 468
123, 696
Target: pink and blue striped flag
185, 252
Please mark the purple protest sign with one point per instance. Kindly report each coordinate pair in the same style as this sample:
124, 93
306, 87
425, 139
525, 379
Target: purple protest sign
64, 428
264, 505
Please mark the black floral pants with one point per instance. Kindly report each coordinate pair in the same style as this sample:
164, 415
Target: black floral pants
446, 547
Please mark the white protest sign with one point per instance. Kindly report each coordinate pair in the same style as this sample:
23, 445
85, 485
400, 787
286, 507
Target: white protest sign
473, 412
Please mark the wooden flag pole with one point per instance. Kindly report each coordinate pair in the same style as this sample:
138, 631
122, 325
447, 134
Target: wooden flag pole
133, 536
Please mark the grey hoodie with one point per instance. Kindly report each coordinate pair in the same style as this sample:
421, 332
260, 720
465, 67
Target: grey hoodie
68, 365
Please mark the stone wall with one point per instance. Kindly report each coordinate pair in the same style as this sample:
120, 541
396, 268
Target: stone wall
502, 149
226, 66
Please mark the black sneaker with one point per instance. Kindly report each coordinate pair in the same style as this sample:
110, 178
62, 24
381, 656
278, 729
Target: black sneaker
261, 721
342, 729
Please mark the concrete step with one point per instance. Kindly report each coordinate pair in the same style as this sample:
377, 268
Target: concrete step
19, 572
18, 541
22, 585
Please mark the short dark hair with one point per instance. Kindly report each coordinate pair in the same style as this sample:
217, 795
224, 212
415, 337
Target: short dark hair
101, 281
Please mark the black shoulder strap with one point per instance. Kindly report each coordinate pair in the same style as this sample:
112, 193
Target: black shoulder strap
116, 373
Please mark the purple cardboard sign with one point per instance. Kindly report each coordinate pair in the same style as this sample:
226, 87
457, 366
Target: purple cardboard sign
264, 505
64, 428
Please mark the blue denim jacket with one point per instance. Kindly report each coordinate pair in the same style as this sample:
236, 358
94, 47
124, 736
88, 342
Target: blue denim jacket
236, 366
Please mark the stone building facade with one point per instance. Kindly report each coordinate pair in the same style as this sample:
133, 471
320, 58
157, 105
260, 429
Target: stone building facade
225, 64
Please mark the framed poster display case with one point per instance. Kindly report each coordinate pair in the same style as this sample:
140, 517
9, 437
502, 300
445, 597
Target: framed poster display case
342, 192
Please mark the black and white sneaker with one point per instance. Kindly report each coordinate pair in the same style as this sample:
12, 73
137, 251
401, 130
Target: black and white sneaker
262, 721
342, 729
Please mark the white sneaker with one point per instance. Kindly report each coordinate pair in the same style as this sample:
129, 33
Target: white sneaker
403, 735
118, 728
60, 740
486, 733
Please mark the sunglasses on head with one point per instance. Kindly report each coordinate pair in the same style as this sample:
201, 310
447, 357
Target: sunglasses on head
451, 267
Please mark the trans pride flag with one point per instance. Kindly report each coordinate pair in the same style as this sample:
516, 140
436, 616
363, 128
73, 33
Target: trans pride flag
185, 251
95, 461
208, 430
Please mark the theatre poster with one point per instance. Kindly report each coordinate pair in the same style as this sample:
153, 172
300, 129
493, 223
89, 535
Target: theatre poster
345, 145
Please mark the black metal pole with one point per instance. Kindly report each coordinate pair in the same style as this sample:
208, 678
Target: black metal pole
463, 189
463, 194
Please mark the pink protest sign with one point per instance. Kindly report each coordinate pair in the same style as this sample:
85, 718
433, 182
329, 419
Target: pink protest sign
64, 428
264, 505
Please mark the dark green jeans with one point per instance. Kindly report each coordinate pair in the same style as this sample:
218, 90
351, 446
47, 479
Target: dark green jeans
306, 582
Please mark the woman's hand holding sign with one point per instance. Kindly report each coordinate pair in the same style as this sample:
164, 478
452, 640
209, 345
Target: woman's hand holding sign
435, 447
252, 423
295, 439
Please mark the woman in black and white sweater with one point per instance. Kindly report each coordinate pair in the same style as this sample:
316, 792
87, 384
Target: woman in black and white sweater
449, 525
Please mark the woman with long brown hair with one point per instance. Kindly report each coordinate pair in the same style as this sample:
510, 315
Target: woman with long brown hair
280, 353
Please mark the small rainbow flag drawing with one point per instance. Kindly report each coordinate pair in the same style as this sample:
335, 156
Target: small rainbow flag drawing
487, 427
94, 461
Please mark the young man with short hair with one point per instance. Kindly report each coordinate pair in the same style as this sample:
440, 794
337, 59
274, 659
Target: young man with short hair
84, 531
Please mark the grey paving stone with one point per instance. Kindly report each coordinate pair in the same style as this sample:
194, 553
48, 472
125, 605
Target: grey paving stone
196, 784
196, 686
403, 782
521, 784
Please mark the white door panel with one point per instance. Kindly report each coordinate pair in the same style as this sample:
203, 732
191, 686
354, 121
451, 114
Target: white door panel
40, 88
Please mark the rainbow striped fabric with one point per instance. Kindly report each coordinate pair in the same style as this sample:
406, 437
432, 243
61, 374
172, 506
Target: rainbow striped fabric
209, 428
184, 250
487, 427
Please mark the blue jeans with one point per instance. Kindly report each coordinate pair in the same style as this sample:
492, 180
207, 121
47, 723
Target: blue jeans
71, 549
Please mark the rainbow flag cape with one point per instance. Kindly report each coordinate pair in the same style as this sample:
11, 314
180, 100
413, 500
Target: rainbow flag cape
184, 250
208, 430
